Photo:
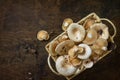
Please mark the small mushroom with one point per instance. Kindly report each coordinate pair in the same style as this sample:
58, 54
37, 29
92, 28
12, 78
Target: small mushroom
88, 63
88, 23
66, 23
72, 51
64, 67
87, 52
76, 62
52, 47
42, 35
76, 32
63, 38
64, 46
101, 29
94, 57
91, 37
100, 44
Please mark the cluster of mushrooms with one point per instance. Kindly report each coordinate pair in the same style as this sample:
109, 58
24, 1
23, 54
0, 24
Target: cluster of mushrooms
80, 46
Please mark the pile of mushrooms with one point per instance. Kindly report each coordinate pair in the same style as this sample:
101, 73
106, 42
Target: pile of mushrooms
80, 46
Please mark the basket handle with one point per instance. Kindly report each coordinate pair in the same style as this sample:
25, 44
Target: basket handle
104, 19
51, 68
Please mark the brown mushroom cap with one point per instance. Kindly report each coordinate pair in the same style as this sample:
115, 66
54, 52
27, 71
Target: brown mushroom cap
76, 32
42, 35
72, 51
66, 23
76, 62
91, 37
88, 23
88, 63
63, 47
101, 43
100, 46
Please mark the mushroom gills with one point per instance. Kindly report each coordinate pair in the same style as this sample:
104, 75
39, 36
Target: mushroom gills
102, 30
52, 47
88, 63
87, 53
63, 67
76, 32
63, 47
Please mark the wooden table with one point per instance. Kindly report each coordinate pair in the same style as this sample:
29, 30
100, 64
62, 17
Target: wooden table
23, 57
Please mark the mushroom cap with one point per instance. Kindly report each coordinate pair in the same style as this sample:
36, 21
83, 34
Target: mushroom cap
76, 62
52, 47
64, 46
72, 51
99, 51
102, 30
66, 23
100, 44
91, 37
63, 38
88, 63
88, 23
87, 53
94, 57
42, 35
76, 32
63, 67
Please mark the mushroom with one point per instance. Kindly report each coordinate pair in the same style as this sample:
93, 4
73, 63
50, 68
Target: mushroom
91, 37
52, 47
64, 46
87, 52
75, 62
88, 63
100, 46
66, 23
64, 67
101, 29
94, 57
74, 51
76, 32
88, 23
63, 38
42, 35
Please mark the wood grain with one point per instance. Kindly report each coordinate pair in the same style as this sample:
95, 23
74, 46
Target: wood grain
23, 57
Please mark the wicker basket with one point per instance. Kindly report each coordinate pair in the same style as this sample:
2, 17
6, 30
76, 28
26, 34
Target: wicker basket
81, 68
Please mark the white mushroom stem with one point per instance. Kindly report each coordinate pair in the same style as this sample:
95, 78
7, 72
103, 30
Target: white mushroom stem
63, 67
87, 53
88, 63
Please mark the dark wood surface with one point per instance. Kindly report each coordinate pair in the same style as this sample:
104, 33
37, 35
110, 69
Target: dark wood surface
23, 57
